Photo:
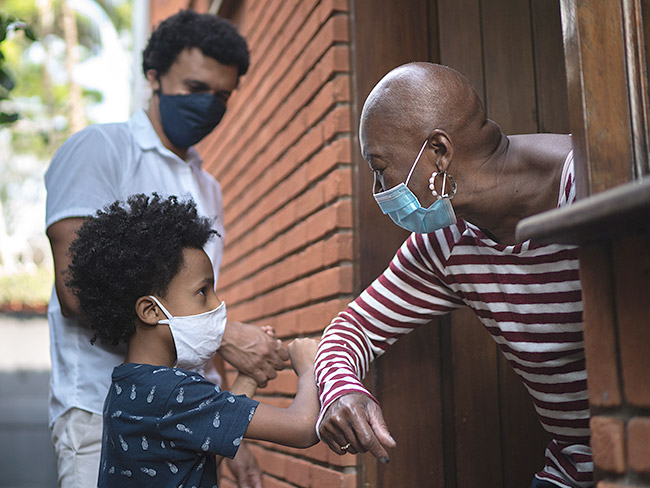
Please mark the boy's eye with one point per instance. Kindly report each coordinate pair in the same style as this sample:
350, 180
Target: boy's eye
202, 291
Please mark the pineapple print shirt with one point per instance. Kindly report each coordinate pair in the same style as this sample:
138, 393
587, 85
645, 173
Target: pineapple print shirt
164, 426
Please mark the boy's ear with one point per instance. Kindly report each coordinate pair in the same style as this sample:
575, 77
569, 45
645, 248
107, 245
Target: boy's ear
148, 311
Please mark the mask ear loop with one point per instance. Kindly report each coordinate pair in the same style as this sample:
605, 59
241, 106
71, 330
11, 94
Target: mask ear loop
169, 316
415, 162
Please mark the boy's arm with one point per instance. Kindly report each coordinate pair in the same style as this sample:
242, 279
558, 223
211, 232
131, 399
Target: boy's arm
293, 426
243, 385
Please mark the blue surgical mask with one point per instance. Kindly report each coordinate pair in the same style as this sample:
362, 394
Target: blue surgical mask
403, 207
186, 119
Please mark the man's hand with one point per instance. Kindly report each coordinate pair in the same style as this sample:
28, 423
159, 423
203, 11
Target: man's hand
245, 469
356, 421
253, 351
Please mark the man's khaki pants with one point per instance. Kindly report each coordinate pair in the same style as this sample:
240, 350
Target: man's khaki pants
77, 439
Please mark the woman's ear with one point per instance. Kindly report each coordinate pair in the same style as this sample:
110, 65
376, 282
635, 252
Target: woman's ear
148, 311
440, 143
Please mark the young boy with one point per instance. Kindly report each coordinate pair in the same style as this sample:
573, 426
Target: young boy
142, 277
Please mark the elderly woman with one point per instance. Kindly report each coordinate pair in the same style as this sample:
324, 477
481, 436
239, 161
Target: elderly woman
426, 137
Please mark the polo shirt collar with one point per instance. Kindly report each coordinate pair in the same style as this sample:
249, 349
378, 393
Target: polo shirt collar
146, 137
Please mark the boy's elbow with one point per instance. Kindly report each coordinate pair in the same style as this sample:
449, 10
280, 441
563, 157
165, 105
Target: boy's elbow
307, 436
307, 440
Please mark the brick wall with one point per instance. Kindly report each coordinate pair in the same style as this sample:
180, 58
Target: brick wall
283, 157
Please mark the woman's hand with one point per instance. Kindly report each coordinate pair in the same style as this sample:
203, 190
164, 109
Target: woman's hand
354, 423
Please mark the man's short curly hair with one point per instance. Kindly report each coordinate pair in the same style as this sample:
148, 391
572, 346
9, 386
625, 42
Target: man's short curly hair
129, 250
216, 37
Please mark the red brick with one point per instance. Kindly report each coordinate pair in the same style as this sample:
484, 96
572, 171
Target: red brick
283, 156
319, 452
322, 476
299, 472
638, 444
608, 443
284, 205
322, 285
279, 186
271, 462
226, 482
313, 229
316, 42
270, 482
261, 135
315, 317
322, 254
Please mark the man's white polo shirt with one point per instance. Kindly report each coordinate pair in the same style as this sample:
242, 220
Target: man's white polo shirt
95, 167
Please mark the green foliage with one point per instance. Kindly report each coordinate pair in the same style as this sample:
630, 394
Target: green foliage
9, 23
30, 290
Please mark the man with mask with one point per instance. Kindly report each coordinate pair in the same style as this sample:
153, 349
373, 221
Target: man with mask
421, 124
193, 63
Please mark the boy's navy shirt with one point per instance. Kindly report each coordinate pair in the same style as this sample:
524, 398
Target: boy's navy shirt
163, 427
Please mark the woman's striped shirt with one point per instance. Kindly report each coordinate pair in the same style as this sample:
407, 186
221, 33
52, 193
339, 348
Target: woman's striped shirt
527, 296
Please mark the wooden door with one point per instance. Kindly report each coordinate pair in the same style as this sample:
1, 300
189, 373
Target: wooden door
458, 412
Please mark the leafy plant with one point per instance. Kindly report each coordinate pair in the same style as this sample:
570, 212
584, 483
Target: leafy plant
9, 23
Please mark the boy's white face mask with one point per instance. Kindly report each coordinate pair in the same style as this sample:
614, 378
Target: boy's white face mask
196, 337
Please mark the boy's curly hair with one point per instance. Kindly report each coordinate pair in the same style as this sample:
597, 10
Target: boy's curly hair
216, 37
129, 250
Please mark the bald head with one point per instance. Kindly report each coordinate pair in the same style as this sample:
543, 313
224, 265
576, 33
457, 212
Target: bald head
416, 98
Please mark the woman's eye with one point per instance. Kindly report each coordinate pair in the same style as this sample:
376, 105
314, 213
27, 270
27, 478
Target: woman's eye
202, 291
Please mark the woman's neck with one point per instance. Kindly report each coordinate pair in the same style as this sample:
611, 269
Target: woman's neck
519, 179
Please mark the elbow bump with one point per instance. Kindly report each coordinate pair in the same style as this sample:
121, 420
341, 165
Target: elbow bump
308, 440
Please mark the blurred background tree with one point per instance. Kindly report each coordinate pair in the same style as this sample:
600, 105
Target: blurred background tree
64, 64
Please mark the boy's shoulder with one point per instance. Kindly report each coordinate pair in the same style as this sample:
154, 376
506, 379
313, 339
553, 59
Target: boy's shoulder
156, 384
147, 373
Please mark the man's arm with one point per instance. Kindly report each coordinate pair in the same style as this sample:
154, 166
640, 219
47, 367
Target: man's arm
61, 234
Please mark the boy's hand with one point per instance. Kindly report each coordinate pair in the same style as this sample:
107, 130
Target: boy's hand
302, 353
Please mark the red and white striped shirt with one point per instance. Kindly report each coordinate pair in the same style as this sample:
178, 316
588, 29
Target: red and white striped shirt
528, 297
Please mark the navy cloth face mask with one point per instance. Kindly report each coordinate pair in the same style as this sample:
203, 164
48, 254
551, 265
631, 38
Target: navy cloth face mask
186, 119
403, 207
